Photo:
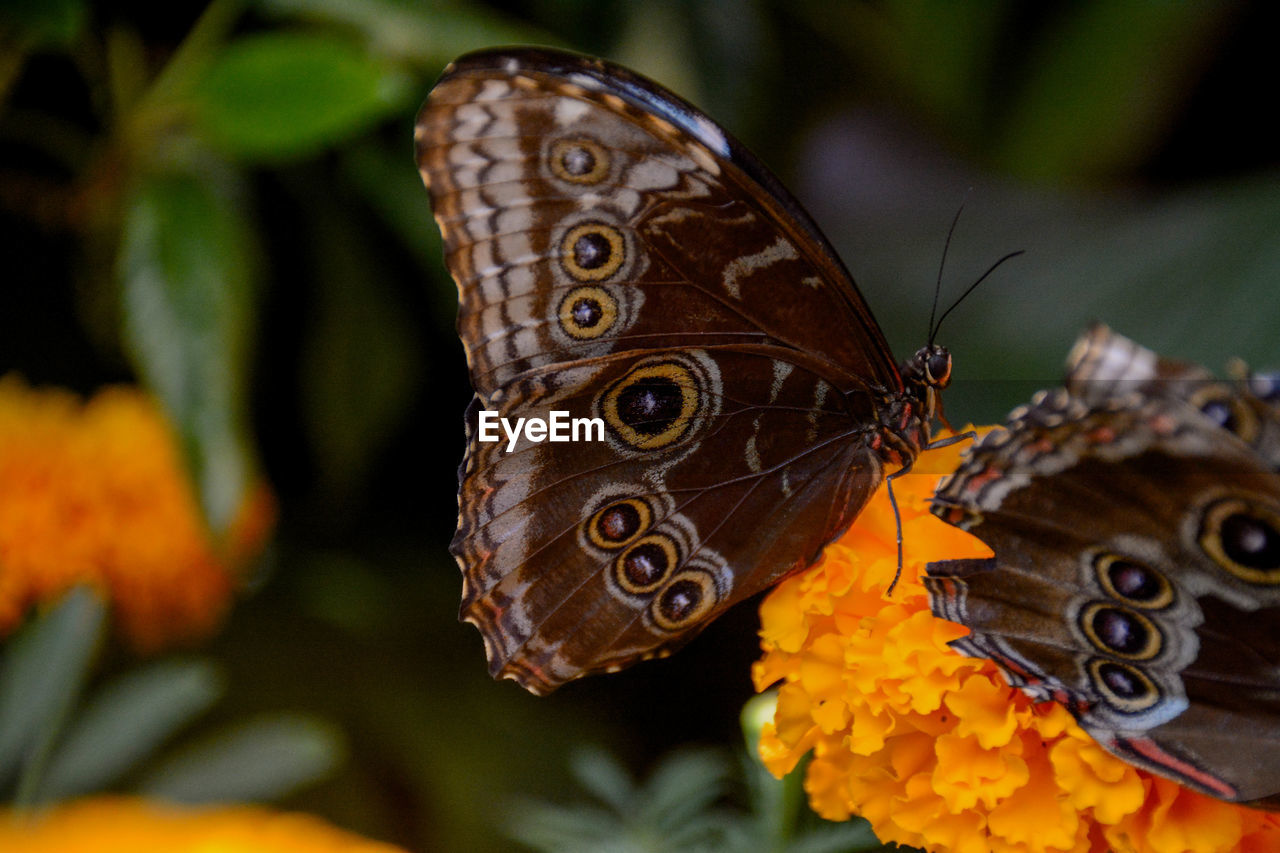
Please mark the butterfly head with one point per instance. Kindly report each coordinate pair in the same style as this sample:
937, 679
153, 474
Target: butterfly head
929, 370
925, 374
936, 363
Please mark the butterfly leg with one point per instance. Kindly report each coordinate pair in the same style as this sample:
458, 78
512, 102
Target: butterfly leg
893, 500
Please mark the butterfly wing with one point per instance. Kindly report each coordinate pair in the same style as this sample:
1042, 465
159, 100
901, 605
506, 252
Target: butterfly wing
586, 210
619, 257
1104, 368
1136, 575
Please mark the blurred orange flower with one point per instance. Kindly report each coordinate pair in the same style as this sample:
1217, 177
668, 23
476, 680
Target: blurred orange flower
96, 492
935, 749
131, 825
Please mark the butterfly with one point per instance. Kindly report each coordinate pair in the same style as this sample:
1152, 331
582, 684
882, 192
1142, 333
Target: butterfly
1135, 519
622, 261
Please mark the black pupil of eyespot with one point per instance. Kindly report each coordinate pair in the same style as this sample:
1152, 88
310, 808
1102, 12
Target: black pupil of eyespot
1121, 681
578, 161
591, 250
619, 522
1219, 411
1119, 631
586, 312
1250, 541
650, 405
1134, 581
681, 599
645, 564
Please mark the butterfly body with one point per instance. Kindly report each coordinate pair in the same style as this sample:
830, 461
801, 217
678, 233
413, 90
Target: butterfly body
618, 256
1135, 520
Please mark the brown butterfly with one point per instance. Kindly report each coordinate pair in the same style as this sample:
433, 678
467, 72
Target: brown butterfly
1135, 520
620, 257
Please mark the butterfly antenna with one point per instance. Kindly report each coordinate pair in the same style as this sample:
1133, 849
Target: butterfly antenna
937, 288
972, 287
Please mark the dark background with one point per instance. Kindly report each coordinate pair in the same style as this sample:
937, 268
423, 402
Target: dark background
1126, 147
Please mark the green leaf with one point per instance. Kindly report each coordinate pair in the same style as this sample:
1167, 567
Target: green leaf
261, 760
429, 33
604, 777
125, 723
282, 94
672, 810
43, 673
682, 789
566, 829
186, 284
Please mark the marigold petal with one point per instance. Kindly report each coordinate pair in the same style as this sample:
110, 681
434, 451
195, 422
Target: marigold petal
787, 628
868, 731
780, 758
1260, 835
967, 773
935, 827
770, 669
1093, 779
826, 782
1035, 815
984, 711
822, 669
870, 783
792, 718
1183, 820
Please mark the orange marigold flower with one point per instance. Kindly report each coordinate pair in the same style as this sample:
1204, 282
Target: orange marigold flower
132, 825
935, 749
95, 492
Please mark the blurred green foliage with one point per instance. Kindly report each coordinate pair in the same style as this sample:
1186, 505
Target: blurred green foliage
221, 203
681, 807
692, 800
50, 749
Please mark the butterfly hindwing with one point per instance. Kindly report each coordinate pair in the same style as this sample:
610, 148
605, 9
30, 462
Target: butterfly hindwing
571, 561
1135, 521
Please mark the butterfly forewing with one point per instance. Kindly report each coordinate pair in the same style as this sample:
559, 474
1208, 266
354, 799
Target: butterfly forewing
619, 257
579, 222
